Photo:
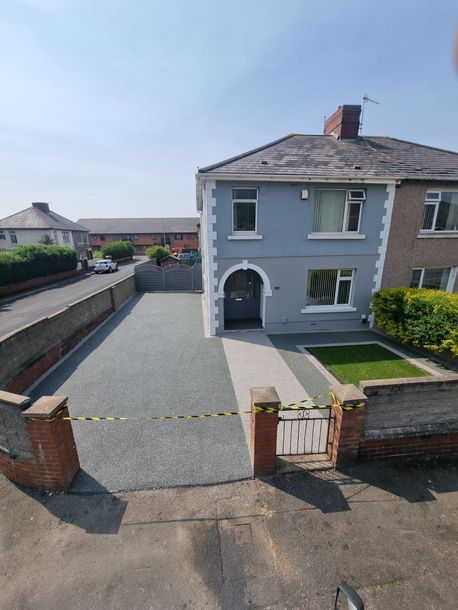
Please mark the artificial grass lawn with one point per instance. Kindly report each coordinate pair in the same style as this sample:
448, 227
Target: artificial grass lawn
355, 363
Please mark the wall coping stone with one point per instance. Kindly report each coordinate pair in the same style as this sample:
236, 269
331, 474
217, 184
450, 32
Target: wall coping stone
411, 431
266, 396
348, 393
14, 399
46, 407
379, 384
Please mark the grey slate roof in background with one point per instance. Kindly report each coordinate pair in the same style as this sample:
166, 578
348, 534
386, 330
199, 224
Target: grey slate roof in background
140, 225
34, 218
320, 155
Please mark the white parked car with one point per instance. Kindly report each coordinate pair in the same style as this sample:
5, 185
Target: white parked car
105, 264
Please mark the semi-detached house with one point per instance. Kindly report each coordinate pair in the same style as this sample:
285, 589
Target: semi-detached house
297, 234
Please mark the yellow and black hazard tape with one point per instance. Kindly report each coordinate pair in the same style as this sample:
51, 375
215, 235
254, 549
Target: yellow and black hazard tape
294, 406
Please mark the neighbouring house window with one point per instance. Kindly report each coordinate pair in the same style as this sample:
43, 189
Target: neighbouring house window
102, 238
440, 212
189, 235
178, 236
244, 210
153, 236
436, 279
2, 235
329, 286
65, 237
13, 237
115, 237
337, 211
135, 237
56, 240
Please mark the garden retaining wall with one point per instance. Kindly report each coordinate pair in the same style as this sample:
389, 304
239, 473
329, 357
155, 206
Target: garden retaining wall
38, 281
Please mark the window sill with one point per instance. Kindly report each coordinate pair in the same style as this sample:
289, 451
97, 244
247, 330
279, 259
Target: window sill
327, 308
336, 236
437, 234
235, 237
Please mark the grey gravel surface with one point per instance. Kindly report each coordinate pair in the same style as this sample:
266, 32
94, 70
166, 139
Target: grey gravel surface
152, 359
24, 308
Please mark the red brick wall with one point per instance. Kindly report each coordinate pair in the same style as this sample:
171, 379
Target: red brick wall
21, 471
37, 281
145, 241
436, 444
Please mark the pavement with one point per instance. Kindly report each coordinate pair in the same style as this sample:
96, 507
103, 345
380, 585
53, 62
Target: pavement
281, 543
151, 358
26, 307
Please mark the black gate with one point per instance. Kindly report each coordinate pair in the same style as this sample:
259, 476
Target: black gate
305, 432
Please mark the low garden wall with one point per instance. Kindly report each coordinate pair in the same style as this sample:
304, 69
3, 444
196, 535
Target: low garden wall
410, 417
38, 281
27, 353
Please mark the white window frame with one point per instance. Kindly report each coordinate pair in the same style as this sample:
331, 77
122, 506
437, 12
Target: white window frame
451, 276
12, 235
2, 235
66, 237
245, 234
435, 203
335, 307
344, 233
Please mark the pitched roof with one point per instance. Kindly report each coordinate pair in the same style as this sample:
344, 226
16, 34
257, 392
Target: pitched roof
35, 218
321, 155
140, 225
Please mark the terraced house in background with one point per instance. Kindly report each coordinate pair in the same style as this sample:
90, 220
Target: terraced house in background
297, 234
144, 232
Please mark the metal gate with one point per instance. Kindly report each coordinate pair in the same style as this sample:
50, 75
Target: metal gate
151, 278
305, 432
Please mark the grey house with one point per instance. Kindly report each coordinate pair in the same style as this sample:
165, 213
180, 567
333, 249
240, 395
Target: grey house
294, 234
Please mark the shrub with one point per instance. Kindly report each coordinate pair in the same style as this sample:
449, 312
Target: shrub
117, 249
425, 318
26, 262
157, 252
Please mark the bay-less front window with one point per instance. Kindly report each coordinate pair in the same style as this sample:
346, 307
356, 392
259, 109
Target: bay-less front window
337, 211
435, 279
440, 212
244, 210
65, 237
329, 286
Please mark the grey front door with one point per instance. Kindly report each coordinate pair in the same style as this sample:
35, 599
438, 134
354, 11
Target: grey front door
242, 295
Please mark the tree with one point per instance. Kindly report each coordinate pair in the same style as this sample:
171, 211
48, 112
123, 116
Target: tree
45, 240
157, 252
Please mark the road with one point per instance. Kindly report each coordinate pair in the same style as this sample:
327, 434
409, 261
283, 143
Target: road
16, 311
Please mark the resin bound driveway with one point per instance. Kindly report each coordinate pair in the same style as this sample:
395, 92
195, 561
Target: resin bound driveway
152, 358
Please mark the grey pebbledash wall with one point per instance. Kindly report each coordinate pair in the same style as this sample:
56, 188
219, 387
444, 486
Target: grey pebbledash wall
411, 407
29, 352
14, 438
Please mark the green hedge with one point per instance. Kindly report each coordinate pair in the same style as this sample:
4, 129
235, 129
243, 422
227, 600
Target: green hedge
157, 252
118, 249
26, 262
425, 318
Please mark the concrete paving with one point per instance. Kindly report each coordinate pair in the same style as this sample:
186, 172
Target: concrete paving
282, 543
24, 308
152, 359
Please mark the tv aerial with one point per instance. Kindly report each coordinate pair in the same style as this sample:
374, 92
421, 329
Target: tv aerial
366, 99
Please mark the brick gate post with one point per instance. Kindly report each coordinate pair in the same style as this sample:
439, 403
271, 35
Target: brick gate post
348, 424
263, 434
53, 443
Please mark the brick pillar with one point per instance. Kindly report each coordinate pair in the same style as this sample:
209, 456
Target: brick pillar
52, 442
348, 424
263, 435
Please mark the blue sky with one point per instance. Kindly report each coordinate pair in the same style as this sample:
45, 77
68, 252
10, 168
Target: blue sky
109, 106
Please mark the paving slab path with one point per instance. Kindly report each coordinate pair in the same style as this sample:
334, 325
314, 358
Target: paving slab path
152, 359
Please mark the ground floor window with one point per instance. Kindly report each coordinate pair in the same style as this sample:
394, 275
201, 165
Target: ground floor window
329, 286
436, 279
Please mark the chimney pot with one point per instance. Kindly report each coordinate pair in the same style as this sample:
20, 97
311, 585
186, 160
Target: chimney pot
41, 205
344, 123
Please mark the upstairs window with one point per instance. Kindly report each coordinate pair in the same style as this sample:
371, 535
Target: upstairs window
244, 210
65, 237
338, 211
435, 279
178, 236
440, 212
329, 286
2, 235
13, 237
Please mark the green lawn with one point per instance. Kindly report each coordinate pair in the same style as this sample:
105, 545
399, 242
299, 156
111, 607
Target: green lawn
355, 363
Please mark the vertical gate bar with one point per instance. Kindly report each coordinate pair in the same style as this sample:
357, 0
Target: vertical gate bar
298, 432
328, 434
319, 439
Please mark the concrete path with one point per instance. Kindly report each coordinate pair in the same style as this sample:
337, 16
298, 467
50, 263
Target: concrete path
152, 359
254, 362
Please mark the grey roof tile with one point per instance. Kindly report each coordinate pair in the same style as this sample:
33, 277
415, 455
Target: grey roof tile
140, 225
319, 155
34, 218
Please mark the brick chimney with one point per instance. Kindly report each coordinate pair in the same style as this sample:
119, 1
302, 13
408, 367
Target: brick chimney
344, 123
41, 205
